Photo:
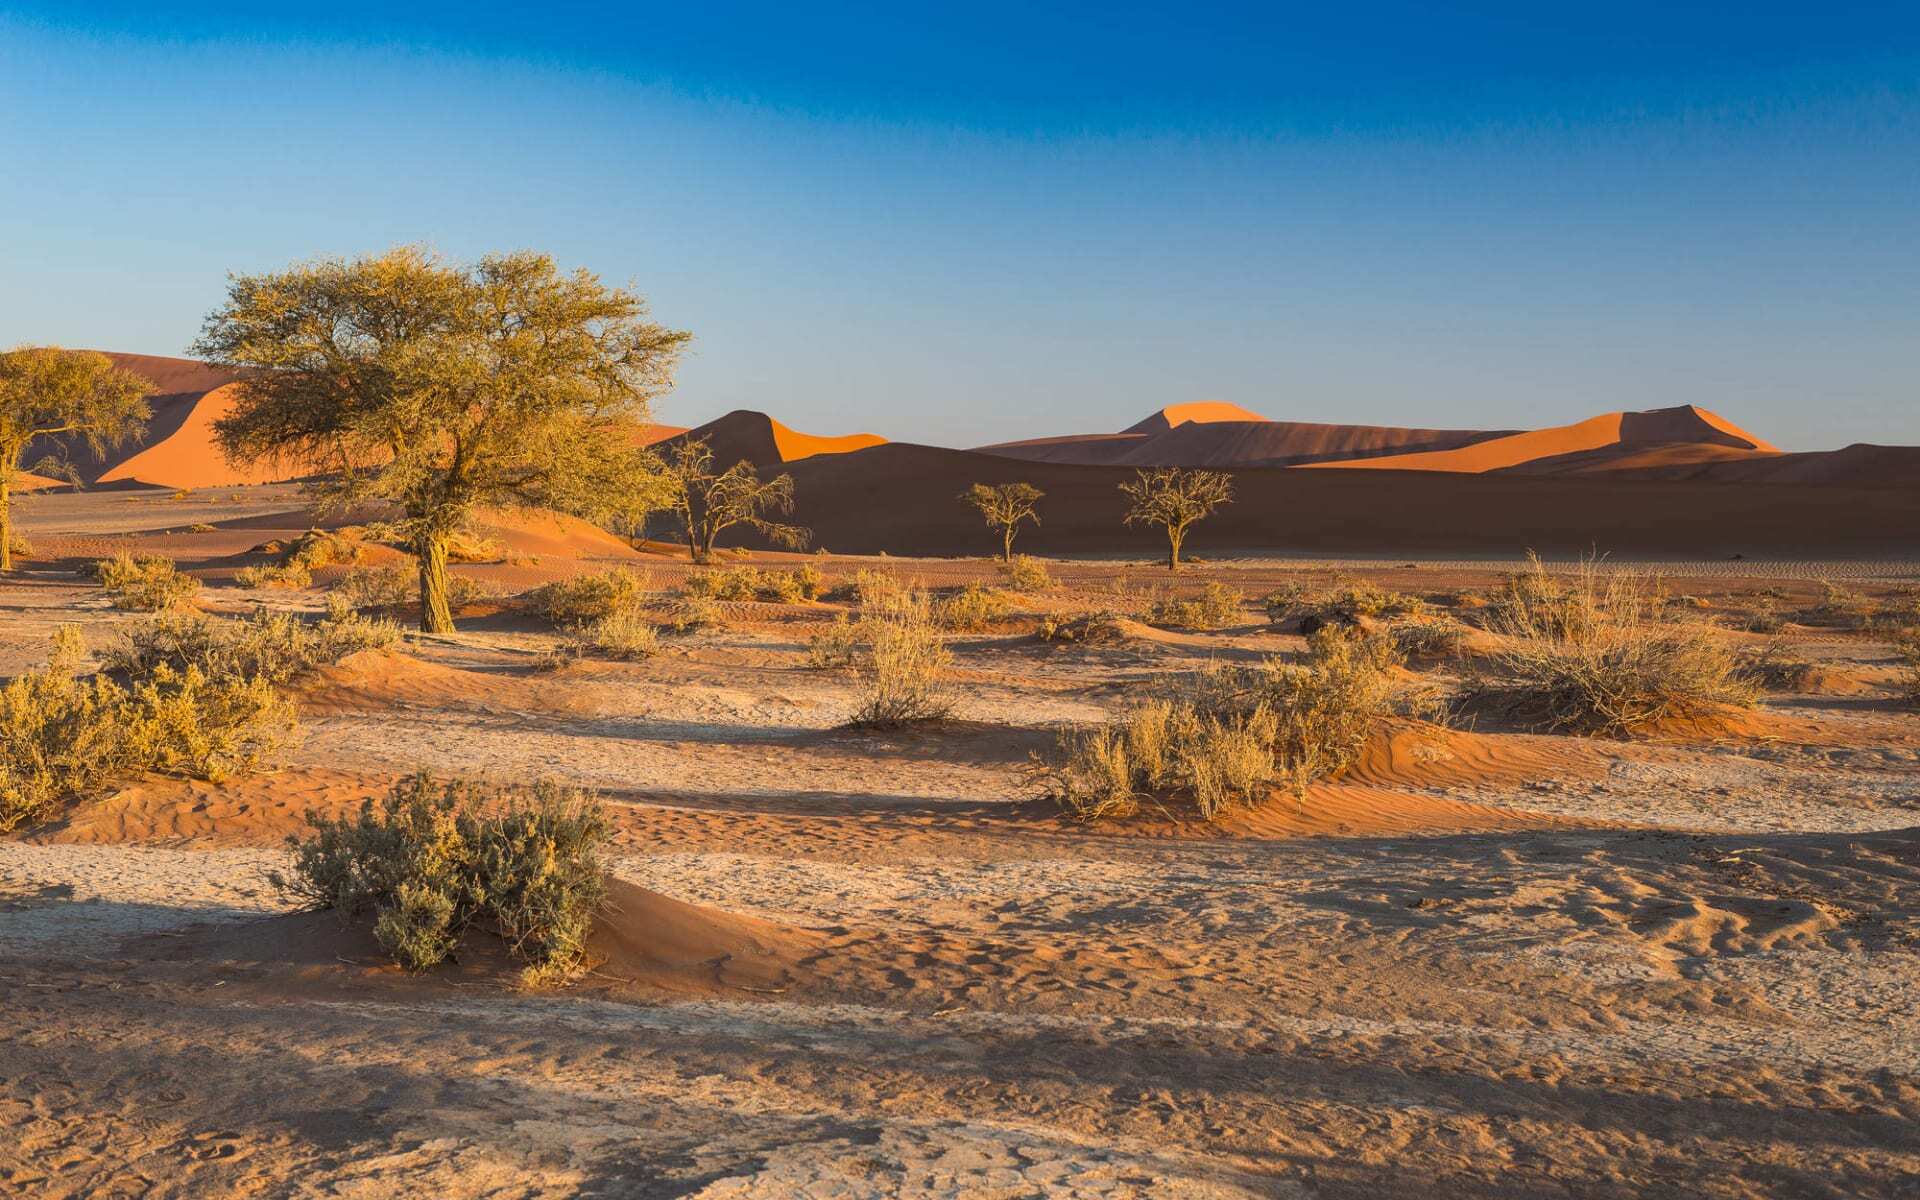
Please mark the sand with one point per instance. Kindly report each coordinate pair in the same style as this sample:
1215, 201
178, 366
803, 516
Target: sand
1687, 425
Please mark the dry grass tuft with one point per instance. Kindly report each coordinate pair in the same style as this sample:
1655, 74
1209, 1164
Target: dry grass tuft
1428, 638
148, 583
902, 664
1026, 574
1215, 607
973, 608
433, 860
1776, 668
1906, 648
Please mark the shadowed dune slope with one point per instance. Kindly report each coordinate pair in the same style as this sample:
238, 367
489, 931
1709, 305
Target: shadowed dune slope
1197, 411
1236, 443
764, 442
1687, 424
902, 498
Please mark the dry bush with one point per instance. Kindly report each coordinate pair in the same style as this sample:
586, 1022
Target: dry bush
834, 648
397, 585
1590, 655
18, 545
1215, 607
623, 634
1350, 602
269, 575
724, 583
434, 860
1286, 600
1084, 629
904, 658
63, 736
276, 647
148, 583
972, 609
1776, 668
1899, 613
1427, 638
1024, 573
1841, 606
691, 611
1221, 739
1763, 617
591, 597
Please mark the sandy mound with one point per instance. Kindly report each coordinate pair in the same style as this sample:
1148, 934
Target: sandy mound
251, 810
1687, 424
376, 679
1203, 411
652, 940
1420, 755
549, 534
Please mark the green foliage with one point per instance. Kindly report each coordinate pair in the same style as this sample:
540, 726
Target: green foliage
591, 597
1214, 607
62, 736
432, 861
148, 583
276, 647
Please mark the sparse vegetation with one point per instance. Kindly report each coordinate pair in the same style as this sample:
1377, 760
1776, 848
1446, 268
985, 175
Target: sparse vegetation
1085, 629
590, 597
147, 583
836, 647
1906, 649
1589, 655
433, 860
1214, 607
290, 576
1776, 668
1006, 507
902, 663
63, 736
972, 609
1221, 739
1024, 573
624, 634
1844, 607
710, 502
47, 392
274, 646
1427, 637
1175, 498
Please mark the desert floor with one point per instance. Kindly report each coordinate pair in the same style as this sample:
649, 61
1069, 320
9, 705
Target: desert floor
1487, 964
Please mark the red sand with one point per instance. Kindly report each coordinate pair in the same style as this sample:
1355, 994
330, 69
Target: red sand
1687, 424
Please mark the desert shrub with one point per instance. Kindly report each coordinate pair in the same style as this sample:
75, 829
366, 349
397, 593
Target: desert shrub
1906, 648
1286, 600
18, 545
1221, 739
1763, 617
1361, 598
876, 589
779, 587
397, 585
1775, 668
692, 611
1215, 606
148, 583
1024, 573
724, 583
1427, 637
64, 736
1899, 613
903, 659
591, 597
1589, 655
433, 860
972, 608
1842, 606
834, 648
273, 646
1086, 629
318, 548
270, 575
811, 583
624, 634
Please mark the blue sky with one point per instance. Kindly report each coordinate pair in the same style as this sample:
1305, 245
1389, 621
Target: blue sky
1018, 220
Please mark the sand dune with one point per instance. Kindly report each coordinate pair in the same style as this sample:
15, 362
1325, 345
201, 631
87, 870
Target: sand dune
763, 441
1686, 424
1201, 411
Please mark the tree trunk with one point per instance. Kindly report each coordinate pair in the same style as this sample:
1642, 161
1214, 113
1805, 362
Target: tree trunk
1006, 550
1174, 538
436, 615
6, 518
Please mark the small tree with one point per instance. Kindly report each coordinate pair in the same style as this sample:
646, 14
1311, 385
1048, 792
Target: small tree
1005, 506
49, 392
709, 503
443, 388
1174, 498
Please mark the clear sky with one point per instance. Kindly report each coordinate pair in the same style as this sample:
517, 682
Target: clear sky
1022, 219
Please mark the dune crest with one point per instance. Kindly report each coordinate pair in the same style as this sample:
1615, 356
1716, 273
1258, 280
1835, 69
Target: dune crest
1686, 424
1198, 411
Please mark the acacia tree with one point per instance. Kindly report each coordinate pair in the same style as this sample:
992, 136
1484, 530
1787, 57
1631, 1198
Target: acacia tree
1005, 506
709, 502
48, 392
1174, 498
442, 388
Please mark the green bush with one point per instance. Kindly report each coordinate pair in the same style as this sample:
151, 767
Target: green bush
1026, 574
63, 737
433, 860
148, 583
724, 583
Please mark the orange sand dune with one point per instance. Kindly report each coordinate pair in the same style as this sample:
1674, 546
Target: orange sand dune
26, 481
648, 939
763, 441
1668, 425
1203, 411
1233, 442
187, 457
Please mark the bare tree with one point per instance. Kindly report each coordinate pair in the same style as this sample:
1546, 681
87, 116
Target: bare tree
444, 388
709, 502
1174, 498
1005, 506
47, 392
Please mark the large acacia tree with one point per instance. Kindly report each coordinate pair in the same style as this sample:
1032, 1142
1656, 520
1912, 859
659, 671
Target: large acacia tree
47, 392
442, 387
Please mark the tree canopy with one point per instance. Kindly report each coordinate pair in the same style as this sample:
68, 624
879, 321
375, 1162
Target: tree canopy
1174, 498
1005, 506
47, 392
443, 387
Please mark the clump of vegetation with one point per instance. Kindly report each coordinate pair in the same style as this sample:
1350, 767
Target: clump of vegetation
709, 502
1589, 655
147, 583
1763, 617
836, 647
1287, 600
63, 735
1005, 506
1085, 629
1215, 607
1350, 602
395, 586
276, 647
624, 635
1842, 606
726, 583
902, 664
1222, 739
972, 608
274, 575
590, 597
1175, 499
1906, 648
432, 861
691, 611
1776, 668
1024, 573
1427, 637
